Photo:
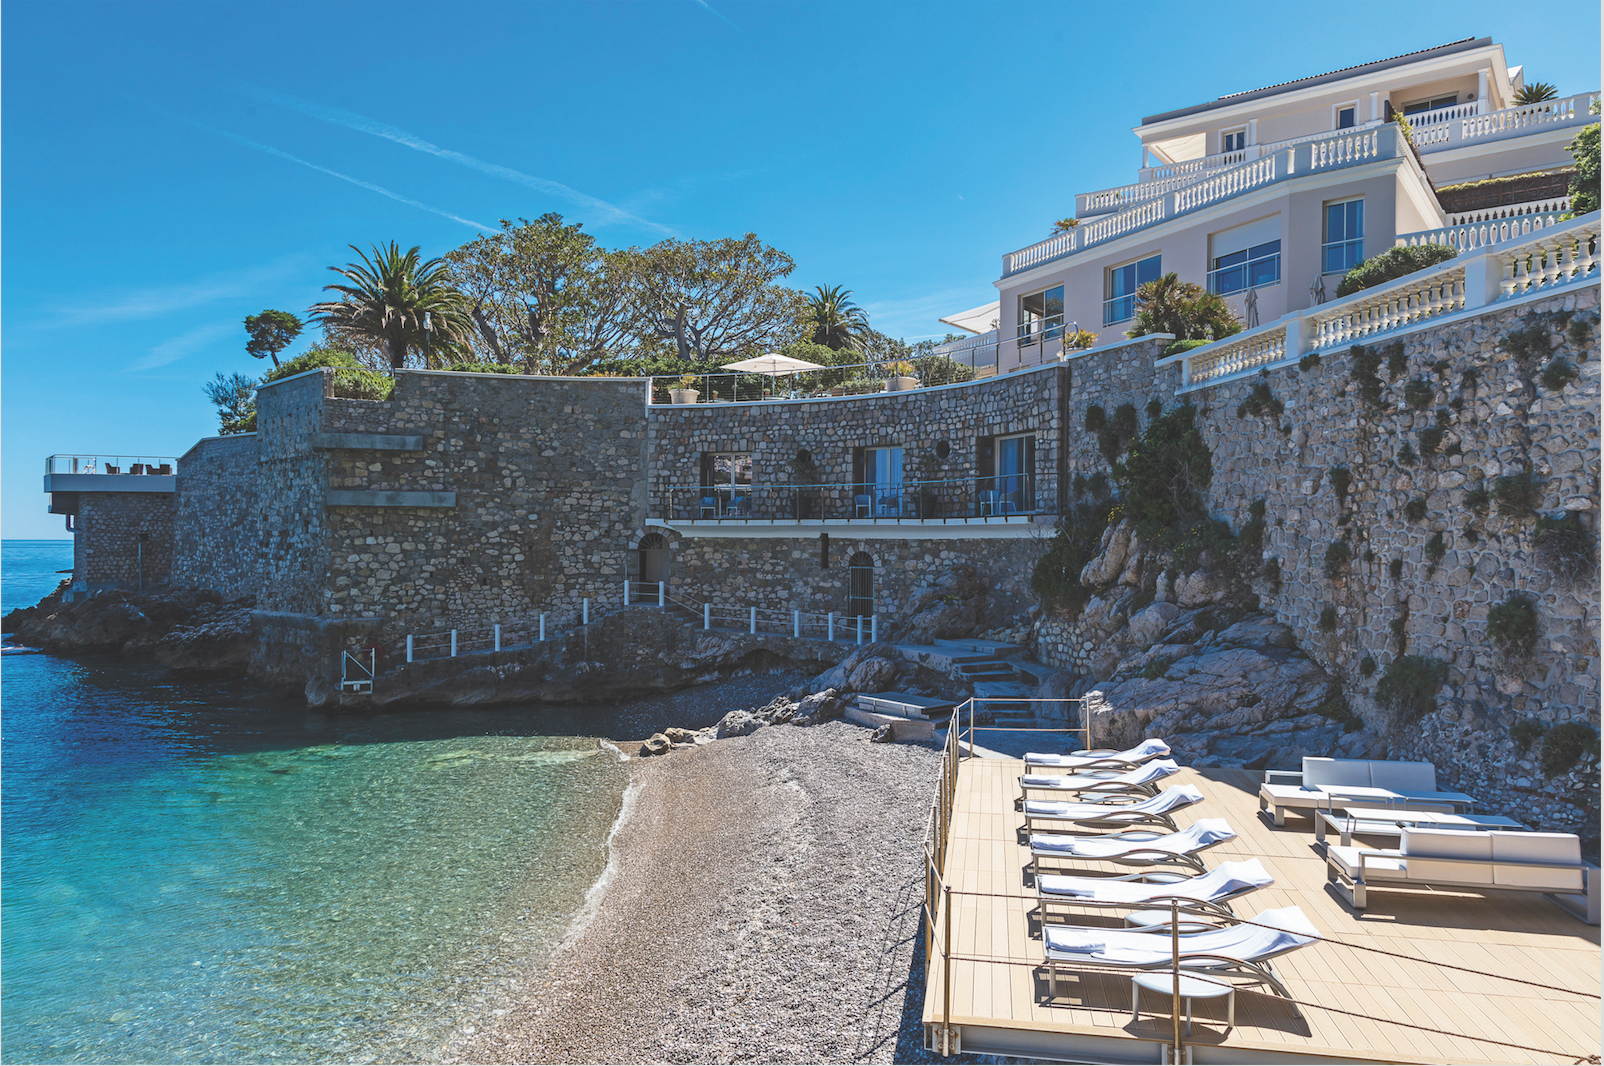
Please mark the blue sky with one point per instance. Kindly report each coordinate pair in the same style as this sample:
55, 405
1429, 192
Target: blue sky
172, 168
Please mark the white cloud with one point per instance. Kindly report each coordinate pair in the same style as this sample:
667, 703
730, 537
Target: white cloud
153, 303
176, 348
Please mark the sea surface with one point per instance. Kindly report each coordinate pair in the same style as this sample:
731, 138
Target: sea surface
199, 871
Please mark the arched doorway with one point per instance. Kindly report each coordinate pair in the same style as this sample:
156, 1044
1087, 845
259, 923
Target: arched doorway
860, 585
653, 561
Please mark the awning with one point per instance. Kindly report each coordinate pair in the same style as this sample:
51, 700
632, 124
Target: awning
976, 319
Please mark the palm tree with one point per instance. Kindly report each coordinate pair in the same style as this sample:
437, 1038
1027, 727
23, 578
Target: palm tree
837, 322
392, 297
1064, 225
1535, 93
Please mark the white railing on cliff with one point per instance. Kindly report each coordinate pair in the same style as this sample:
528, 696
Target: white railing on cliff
1329, 152
1549, 258
1468, 230
836, 625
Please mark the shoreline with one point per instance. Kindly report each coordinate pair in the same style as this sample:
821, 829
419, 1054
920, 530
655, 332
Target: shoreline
760, 901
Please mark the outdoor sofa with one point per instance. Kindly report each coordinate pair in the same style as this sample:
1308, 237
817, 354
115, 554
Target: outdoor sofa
1326, 784
1550, 863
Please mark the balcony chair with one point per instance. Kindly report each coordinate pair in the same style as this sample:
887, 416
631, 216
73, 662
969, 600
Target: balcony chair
889, 505
862, 505
988, 502
708, 507
740, 507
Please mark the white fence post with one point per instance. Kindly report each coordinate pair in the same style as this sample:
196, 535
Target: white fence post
707, 616
860, 629
584, 612
409, 647
832, 625
754, 620
874, 629
626, 592
662, 593
453, 643
1484, 280
543, 627
796, 623
498, 636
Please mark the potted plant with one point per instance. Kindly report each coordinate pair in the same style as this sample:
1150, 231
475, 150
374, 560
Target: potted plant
900, 376
686, 392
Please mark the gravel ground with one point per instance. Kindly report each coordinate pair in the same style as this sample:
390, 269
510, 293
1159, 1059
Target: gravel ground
764, 908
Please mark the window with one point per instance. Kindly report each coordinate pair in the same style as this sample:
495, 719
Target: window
726, 484
1430, 105
1344, 246
1016, 468
1347, 114
1123, 281
877, 478
1041, 316
860, 585
1247, 269
1234, 140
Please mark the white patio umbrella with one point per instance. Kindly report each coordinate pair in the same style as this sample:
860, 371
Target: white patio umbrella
773, 363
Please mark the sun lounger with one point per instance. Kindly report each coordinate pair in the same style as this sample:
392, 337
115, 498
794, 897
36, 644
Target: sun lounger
1326, 784
1099, 758
1154, 811
1133, 848
1218, 887
1550, 863
1241, 951
1139, 780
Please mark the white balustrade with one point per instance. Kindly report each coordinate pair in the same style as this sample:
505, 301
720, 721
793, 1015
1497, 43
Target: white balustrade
1345, 150
1261, 348
1552, 206
1468, 236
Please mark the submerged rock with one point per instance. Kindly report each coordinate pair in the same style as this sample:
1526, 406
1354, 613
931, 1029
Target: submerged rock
656, 744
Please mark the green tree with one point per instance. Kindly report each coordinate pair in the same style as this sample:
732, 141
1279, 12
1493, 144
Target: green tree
1535, 93
1064, 225
837, 321
270, 333
1170, 305
715, 300
1584, 182
401, 302
235, 399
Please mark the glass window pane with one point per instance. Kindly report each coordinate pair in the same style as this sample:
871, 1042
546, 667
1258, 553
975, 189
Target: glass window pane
1147, 270
1053, 302
721, 469
1032, 305
1259, 251
1230, 260
741, 469
1345, 118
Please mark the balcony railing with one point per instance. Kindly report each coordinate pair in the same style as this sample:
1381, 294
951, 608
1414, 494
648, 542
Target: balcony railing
1330, 152
947, 365
111, 464
1498, 225
1448, 128
997, 498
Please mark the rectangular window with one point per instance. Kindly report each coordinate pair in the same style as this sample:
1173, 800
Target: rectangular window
877, 489
1234, 140
1347, 116
1123, 281
726, 484
1041, 316
1420, 106
1015, 483
1250, 268
1344, 244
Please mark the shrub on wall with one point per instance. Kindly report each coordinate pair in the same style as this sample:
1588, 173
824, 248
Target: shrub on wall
1406, 455
1260, 402
1308, 362
1436, 549
1517, 495
1328, 619
1096, 418
1415, 509
1529, 342
1162, 479
1512, 626
1418, 393
1367, 666
1525, 733
1056, 578
1430, 440
1340, 480
1563, 545
1408, 687
1478, 498
1338, 555
1557, 375
1564, 746
1392, 264
1364, 376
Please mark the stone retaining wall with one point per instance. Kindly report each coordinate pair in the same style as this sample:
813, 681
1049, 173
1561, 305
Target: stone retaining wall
124, 540
217, 528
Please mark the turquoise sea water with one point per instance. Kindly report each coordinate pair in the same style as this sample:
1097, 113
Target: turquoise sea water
196, 871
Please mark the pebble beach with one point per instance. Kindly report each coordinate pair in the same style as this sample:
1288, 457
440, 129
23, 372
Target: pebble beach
762, 905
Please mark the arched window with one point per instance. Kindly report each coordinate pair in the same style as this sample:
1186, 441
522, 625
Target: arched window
860, 585
653, 562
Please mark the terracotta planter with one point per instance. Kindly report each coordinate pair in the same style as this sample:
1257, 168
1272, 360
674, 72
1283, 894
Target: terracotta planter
683, 395
901, 384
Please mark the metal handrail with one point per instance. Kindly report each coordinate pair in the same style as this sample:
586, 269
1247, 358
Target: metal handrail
848, 379
978, 498
111, 464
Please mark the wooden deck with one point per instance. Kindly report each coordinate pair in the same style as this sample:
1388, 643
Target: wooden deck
1004, 1009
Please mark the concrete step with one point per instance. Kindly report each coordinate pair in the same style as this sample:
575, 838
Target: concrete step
901, 728
904, 704
994, 648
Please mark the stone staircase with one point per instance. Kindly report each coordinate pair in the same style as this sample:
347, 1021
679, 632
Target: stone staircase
996, 673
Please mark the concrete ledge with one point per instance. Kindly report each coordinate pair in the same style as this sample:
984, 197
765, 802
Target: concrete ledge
901, 728
367, 442
363, 498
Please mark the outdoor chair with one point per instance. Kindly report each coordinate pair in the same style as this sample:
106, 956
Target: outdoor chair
1133, 847
988, 503
708, 508
1099, 758
1238, 950
862, 505
1218, 887
1140, 780
739, 507
888, 504
1154, 810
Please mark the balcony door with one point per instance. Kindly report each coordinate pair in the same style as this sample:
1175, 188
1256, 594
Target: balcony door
1016, 462
860, 585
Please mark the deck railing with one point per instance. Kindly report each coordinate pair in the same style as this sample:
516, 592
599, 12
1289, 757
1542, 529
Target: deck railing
1450, 128
111, 464
992, 498
1554, 256
1493, 226
949, 365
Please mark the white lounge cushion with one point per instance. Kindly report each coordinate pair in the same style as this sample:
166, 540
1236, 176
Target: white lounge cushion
1204, 833
1171, 799
1225, 880
1320, 771
1306, 796
1292, 929
1537, 847
1404, 777
1142, 775
1379, 866
1147, 749
1419, 846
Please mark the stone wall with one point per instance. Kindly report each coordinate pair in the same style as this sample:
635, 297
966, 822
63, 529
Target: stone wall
1108, 378
294, 546
124, 540
217, 524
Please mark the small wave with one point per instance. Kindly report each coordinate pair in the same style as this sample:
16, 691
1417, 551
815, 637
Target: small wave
616, 750
593, 897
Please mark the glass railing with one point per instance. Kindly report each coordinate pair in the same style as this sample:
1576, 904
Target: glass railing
111, 464
951, 367
969, 499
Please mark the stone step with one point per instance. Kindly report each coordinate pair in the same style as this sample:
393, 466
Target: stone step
995, 648
904, 704
901, 728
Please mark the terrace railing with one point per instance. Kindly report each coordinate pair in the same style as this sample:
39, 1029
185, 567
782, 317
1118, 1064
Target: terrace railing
1554, 256
969, 500
1449, 128
1469, 230
947, 366
111, 464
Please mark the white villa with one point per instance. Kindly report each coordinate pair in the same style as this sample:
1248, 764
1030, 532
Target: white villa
1269, 197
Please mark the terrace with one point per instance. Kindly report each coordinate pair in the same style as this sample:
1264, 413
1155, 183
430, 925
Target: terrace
994, 500
106, 473
1423, 975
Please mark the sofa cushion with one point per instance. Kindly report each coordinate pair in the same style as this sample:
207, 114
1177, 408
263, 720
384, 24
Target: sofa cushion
1420, 846
1320, 771
1537, 847
1387, 867
1415, 777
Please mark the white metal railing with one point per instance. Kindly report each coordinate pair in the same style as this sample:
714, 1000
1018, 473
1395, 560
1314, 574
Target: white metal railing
1553, 256
1329, 151
1454, 131
496, 636
110, 464
836, 625
1467, 236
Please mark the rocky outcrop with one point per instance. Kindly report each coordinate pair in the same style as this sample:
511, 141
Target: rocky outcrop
189, 630
953, 606
883, 667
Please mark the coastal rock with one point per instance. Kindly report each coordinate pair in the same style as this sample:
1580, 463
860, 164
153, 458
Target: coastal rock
657, 744
738, 724
137, 623
873, 675
881, 735
220, 639
676, 735
1109, 562
952, 606
819, 707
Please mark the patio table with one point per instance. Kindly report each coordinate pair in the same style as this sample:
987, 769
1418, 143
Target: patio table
1381, 822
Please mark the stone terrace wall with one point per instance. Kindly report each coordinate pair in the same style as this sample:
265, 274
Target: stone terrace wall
830, 429
1107, 378
217, 524
293, 558
106, 550
549, 475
